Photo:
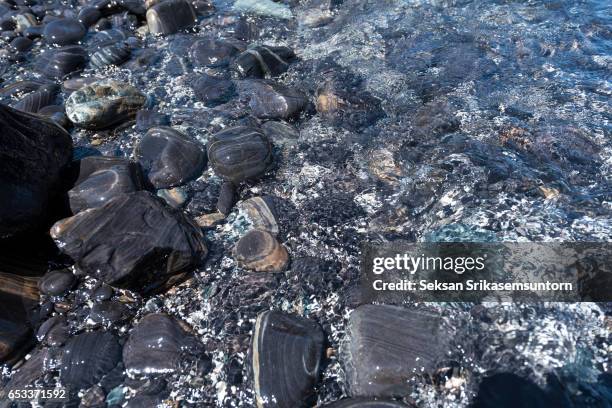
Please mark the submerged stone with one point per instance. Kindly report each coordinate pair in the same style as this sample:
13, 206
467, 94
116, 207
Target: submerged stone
115, 54
57, 282
212, 52
260, 212
269, 100
64, 31
260, 251
34, 154
62, 62
385, 346
286, 358
213, 91
263, 61
103, 104
35, 101
240, 153
170, 16
133, 241
169, 158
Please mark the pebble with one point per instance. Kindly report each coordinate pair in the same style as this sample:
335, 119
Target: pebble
53, 332
56, 113
88, 16
104, 292
227, 197
88, 357
56, 283
260, 212
260, 251
146, 119
270, 100
263, 61
103, 104
209, 220
61, 62
109, 312
133, 241
174, 197
213, 91
115, 54
64, 31
21, 44
240, 153
171, 16
29, 176
156, 345
211, 52
169, 158
35, 101
386, 345
286, 359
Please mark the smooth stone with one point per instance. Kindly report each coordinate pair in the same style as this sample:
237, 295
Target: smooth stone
53, 332
365, 403
204, 8
73, 84
21, 87
21, 44
64, 31
101, 179
240, 153
89, 15
30, 169
269, 100
103, 104
279, 130
260, 251
87, 358
115, 54
35, 101
169, 158
171, 16
261, 213
24, 21
104, 292
213, 91
56, 283
263, 61
109, 312
212, 52
227, 197
61, 62
286, 359
146, 119
33, 32
174, 197
156, 345
386, 346
133, 241
209, 220
55, 113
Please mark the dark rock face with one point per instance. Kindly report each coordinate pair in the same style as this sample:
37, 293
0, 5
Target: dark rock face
156, 345
101, 179
115, 54
62, 61
212, 52
64, 31
240, 153
365, 403
386, 346
263, 62
134, 241
56, 283
213, 91
103, 104
34, 153
88, 357
169, 158
170, 16
269, 100
286, 353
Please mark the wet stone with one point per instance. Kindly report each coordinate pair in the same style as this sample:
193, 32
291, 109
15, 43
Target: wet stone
156, 345
385, 346
240, 153
56, 283
30, 169
174, 197
269, 100
55, 113
365, 403
227, 197
81, 367
35, 101
133, 241
260, 251
146, 119
263, 61
103, 104
210, 52
106, 312
21, 44
261, 213
89, 15
213, 91
169, 158
104, 292
101, 179
115, 54
61, 62
171, 16
286, 358
53, 332
64, 31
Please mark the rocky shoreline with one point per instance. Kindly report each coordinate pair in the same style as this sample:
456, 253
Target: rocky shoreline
187, 186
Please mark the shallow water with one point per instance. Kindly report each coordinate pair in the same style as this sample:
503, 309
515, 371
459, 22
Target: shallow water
495, 126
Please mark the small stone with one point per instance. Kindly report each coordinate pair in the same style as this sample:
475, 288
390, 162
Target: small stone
64, 31
171, 16
211, 52
21, 44
260, 211
169, 158
263, 61
61, 62
260, 251
286, 359
269, 100
146, 119
210, 220
109, 312
104, 292
227, 197
34, 101
213, 91
174, 197
53, 332
103, 104
56, 113
89, 15
240, 153
56, 283
134, 241
101, 179
115, 54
